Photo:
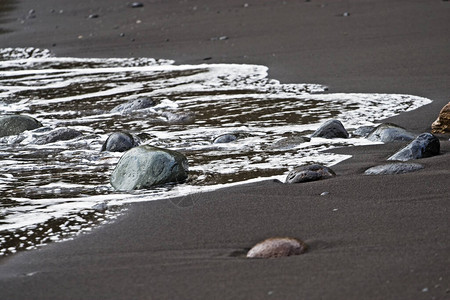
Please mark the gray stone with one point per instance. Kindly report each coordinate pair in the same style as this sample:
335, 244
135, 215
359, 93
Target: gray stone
425, 145
289, 142
119, 142
225, 138
363, 131
309, 173
133, 105
230, 137
331, 129
179, 118
16, 124
388, 132
391, 169
146, 166
58, 134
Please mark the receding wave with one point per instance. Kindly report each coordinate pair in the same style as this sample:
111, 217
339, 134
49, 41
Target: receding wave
51, 190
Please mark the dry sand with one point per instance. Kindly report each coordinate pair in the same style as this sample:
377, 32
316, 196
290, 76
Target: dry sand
370, 237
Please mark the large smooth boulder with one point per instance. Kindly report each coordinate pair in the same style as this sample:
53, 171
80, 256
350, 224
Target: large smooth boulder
16, 124
146, 166
425, 145
309, 173
331, 129
391, 169
442, 124
133, 105
277, 247
119, 142
58, 134
388, 132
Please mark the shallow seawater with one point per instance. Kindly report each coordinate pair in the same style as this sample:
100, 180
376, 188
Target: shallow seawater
51, 191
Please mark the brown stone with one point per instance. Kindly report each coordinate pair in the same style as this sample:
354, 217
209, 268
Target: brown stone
442, 124
277, 247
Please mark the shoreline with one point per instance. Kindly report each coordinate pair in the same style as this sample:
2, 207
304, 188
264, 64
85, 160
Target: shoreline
370, 237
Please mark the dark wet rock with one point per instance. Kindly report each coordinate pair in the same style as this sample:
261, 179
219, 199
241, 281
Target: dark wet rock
179, 118
442, 123
146, 166
363, 131
16, 124
58, 134
225, 138
277, 247
331, 129
309, 173
289, 142
425, 145
133, 105
391, 169
388, 132
119, 142
230, 137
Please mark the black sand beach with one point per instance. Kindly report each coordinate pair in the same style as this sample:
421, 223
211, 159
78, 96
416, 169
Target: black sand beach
370, 237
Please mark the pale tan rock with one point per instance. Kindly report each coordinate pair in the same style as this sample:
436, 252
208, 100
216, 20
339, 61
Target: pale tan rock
442, 124
277, 247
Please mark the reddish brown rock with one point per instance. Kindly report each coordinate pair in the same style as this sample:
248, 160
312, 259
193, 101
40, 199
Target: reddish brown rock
277, 247
442, 124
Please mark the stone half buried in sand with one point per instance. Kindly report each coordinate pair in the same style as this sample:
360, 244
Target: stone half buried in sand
309, 173
16, 124
442, 124
331, 129
388, 132
392, 169
277, 247
425, 145
146, 166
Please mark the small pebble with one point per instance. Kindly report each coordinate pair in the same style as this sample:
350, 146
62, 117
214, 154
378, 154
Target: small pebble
324, 193
136, 4
93, 16
277, 247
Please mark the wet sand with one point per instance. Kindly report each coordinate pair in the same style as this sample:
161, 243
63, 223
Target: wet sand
370, 237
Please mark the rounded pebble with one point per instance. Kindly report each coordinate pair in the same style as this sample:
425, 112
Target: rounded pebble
277, 247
